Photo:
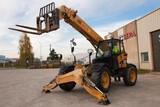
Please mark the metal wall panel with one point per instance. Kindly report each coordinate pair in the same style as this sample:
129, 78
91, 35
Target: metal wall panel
145, 26
129, 33
131, 43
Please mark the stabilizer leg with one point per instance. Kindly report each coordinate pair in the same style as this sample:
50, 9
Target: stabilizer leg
91, 88
78, 77
106, 102
50, 86
60, 79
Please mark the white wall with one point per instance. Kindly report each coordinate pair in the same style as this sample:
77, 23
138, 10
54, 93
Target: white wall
145, 25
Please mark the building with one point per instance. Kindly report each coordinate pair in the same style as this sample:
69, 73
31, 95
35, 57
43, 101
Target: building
2, 58
142, 41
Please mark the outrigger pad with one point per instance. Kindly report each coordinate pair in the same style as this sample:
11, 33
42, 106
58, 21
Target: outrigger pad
106, 102
47, 91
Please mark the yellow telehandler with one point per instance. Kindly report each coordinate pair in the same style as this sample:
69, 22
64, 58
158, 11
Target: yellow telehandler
110, 61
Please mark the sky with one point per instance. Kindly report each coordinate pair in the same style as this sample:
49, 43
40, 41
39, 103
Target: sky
103, 16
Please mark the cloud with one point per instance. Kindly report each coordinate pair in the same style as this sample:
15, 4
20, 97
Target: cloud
103, 8
92, 11
103, 30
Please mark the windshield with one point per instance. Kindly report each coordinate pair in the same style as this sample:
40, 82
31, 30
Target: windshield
107, 47
110, 46
102, 48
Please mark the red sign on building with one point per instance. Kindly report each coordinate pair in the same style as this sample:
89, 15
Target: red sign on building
129, 35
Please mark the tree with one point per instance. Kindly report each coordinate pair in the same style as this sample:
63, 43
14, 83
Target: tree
25, 49
53, 55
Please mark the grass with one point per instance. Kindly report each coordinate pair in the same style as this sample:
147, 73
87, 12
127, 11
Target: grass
142, 71
12, 67
7, 67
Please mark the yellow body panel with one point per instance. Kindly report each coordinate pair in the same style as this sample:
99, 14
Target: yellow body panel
122, 60
78, 77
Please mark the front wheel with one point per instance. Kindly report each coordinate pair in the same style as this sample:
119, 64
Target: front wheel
70, 85
102, 79
130, 75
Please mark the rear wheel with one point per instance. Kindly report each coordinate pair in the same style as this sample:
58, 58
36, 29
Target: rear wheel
130, 75
70, 85
102, 79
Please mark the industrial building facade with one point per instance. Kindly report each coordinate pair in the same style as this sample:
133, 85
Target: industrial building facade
142, 41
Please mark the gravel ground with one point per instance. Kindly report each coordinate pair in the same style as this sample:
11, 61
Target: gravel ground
22, 88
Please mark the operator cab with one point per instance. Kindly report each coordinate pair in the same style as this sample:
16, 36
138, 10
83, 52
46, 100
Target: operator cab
109, 51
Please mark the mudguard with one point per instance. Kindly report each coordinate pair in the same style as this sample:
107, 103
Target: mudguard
66, 69
97, 67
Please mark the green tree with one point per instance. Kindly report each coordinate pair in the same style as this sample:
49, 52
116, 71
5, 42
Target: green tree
25, 49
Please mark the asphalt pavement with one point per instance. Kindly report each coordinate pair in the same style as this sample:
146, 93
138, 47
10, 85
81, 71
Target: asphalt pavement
22, 88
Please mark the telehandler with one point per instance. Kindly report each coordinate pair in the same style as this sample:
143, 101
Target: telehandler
96, 76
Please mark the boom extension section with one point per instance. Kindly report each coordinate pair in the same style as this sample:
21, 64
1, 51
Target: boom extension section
49, 18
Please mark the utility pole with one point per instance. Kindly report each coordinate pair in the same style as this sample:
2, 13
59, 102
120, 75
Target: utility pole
4, 63
50, 47
40, 53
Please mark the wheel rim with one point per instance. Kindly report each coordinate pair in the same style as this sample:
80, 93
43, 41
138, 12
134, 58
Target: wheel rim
132, 76
105, 79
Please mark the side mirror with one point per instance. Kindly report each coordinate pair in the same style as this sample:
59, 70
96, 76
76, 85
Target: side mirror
90, 51
72, 45
73, 42
72, 49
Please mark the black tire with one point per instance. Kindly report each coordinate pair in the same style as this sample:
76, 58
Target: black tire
102, 79
70, 85
130, 75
